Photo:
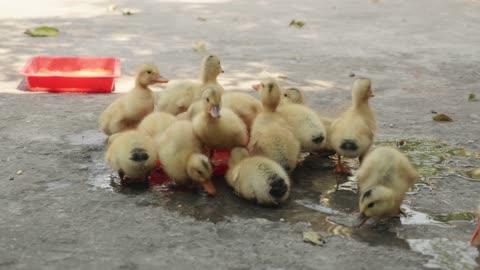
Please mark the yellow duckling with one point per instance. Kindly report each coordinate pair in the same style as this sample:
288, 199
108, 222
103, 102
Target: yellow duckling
475, 241
218, 128
383, 179
292, 95
155, 123
270, 134
352, 133
179, 95
244, 105
257, 178
306, 126
132, 154
128, 110
181, 155
193, 110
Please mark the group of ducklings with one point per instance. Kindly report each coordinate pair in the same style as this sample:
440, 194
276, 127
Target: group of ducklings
191, 119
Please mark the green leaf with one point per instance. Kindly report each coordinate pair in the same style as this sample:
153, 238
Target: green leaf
43, 31
297, 24
472, 97
442, 117
313, 238
199, 46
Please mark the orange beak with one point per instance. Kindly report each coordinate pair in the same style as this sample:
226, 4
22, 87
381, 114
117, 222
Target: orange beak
256, 87
475, 241
160, 79
209, 187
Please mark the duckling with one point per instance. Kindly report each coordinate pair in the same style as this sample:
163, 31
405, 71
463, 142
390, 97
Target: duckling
383, 179
257, 178
194, 109
475, 241
244, 105
128, 110
132, 154
218, 128
271, 136
306, 126
178, 95
180, 152
352, 133
155, 123
292, 95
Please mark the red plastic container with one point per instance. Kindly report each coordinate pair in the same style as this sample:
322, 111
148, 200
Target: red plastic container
64, 74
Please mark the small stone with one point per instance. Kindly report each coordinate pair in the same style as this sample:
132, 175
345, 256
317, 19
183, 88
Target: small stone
352, 74
282, 220
179, 206
434, 112
391, 125
11, 178
19, 172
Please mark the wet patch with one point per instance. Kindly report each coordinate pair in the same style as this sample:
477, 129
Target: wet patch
446, 253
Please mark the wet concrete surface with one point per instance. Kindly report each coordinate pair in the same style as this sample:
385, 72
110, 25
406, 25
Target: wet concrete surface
63, 212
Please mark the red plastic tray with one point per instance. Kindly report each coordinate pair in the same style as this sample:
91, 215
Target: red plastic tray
36, 73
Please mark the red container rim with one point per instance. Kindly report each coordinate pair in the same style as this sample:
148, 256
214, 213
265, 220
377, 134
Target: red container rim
116, 71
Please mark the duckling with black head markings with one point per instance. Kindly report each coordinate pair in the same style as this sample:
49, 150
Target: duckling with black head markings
271, 135
383, 179
128, 110
292, 95
180, 94
155, 123
218, 128
352, 133
180, 152
257, 178
132, 154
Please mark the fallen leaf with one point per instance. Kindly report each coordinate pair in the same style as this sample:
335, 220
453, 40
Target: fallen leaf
442, 117
472, 97
203, 19
297, 24
43, 31
313, 238
199, 46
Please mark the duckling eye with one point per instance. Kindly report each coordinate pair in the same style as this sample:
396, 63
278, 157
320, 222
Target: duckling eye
285, 95
199, 172
370, 205
208, 100
149, 71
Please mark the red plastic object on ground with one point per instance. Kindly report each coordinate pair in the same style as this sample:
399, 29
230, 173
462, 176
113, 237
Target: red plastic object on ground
72, 74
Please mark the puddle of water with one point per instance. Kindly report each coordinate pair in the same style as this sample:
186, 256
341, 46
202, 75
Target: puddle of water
447, 253
419, 218
433, 158
87, 137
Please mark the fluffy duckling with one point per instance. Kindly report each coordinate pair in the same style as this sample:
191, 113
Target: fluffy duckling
270, 134
475, 241
218, 128
292, 95
383, 179
179, 95
244, 105
132, 154
306, 126
193, 110
257, 178
127, 111
155, 123
352, 133
180, 152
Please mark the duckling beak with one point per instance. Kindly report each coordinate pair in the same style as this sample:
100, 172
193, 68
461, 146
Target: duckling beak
361, 218
209, 187
256, 87
215, 111
475, 241
160, 79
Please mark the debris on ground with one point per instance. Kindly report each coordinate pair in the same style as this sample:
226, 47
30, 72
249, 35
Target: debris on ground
313, 238
472, 97
351, 75
42, 31
442, 117
199, 46
474, 173
11, 178
19, 172
296, 24
202, 19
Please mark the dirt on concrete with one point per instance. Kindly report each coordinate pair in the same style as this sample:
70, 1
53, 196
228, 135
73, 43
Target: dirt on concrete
61, 212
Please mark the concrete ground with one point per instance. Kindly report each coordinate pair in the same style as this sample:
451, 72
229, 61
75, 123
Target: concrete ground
61, 214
